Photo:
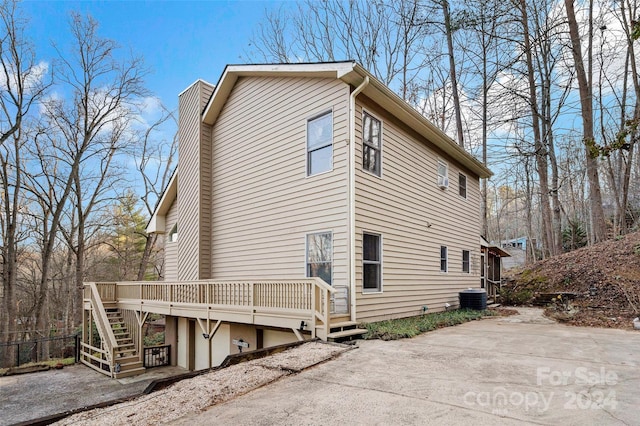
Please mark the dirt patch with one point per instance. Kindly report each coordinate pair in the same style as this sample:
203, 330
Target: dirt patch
597, 286
504, 312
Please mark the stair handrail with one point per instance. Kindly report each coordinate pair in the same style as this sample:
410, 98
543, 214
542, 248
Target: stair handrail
321, 305
102, 322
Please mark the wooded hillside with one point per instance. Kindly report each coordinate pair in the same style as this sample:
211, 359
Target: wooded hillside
610, 269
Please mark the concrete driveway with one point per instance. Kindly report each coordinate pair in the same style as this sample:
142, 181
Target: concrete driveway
28, 397
513, 370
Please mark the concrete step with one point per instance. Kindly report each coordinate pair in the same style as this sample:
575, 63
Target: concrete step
336, 335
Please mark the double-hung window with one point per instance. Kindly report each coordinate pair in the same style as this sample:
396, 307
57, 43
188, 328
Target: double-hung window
443, 171
319, 256
466, 261
320, 144
443, 258
462, 185
371, 262
371, 144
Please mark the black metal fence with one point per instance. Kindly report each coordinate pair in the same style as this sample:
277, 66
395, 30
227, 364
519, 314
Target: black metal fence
157, 356
15, 354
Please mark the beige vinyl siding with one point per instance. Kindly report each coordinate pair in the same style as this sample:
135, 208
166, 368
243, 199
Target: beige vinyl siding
204, 235
171, 248
194, 192
415, 217
263, 202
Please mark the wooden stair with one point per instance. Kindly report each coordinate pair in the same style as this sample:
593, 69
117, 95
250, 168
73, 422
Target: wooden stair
126, 361
345, 330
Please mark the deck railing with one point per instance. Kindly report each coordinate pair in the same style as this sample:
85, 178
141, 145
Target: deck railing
99, 315
307, 298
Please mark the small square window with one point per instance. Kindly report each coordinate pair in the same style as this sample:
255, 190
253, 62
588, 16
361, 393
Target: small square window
462, 185
443, 258
466, 261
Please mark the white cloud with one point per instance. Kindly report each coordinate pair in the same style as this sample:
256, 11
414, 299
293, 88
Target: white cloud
33, 78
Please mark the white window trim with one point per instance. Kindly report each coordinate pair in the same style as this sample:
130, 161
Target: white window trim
366, 111
466, 188
370, 291
462, 262
172, 236
446, 175
446, 271
306, 252
306, 142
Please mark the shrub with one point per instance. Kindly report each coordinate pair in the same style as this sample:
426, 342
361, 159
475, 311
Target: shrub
413, 326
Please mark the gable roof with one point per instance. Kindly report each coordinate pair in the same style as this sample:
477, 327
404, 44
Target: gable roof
351, 73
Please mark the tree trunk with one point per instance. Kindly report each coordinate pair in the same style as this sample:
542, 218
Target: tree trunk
148, 248
452, 71
598, 225
540, 148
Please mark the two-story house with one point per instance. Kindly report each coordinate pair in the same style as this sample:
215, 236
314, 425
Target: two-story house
289, 173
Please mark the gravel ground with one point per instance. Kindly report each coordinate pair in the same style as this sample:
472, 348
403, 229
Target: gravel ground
197, 394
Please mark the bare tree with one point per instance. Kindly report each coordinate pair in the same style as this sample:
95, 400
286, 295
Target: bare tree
485, 20
83, 131
541, 153
453, 73
22, 84
619, 133
584, 77
385, 37
154, 163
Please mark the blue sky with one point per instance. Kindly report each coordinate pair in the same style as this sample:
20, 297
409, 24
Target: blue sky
180, 41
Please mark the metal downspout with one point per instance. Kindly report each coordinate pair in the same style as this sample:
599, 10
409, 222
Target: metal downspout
352, 197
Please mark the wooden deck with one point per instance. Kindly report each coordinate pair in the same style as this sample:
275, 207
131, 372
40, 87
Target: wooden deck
299, 305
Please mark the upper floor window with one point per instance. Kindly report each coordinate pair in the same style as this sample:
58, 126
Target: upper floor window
443, 258
371, 263
371, 144
173, 235
320, 144
443, 174
319, 256
466, 261
462, 185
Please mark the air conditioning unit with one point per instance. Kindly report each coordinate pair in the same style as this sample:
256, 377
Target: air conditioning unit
443, 182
